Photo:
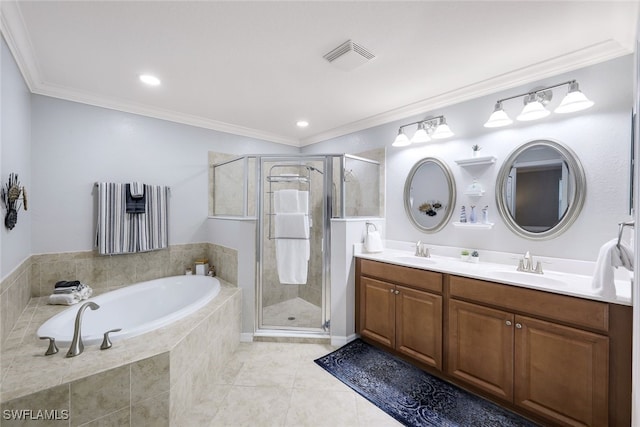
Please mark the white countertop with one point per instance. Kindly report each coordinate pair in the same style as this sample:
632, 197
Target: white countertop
555, 280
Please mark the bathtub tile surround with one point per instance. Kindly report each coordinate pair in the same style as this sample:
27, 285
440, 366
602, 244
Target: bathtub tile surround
14, 296
102, 272
37, 274
155, 379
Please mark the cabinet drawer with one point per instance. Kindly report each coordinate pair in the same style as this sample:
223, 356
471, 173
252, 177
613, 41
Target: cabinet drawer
575, 311
414, 277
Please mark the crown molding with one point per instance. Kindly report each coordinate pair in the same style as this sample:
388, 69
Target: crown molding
591, 55
14, 32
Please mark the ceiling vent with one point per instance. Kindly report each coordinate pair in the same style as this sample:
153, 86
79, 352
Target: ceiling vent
349, 55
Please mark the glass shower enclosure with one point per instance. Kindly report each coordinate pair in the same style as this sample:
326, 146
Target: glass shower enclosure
293, 199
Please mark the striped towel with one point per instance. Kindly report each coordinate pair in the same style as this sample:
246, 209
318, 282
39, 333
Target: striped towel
119, 232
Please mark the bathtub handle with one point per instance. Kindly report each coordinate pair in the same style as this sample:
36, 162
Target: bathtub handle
106, 342
53, 349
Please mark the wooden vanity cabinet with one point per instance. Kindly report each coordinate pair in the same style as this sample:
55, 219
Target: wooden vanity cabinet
400, 309
557, 371
559, 359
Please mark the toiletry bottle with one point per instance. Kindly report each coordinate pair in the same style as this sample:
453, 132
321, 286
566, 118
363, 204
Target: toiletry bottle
485, 215
463, 215
472, 215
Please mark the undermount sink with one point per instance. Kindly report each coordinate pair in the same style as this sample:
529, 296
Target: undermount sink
415, 259
530, 278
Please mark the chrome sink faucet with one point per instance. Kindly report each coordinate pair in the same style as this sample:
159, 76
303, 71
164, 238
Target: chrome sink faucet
526, 264
76, 344
422, 250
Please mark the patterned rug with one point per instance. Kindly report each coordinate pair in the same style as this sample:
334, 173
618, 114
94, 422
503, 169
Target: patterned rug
410, 395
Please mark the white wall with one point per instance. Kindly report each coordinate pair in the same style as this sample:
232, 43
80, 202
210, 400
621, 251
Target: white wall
15, 157
76, 145
600, 137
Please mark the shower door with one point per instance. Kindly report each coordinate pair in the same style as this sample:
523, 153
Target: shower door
293, 241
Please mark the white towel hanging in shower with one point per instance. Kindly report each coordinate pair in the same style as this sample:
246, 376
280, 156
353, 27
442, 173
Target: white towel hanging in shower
291, 235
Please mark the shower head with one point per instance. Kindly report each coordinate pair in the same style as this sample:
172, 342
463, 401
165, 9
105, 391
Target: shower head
311, 168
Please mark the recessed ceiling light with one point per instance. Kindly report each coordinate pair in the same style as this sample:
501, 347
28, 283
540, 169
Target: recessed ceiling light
149, 79
302, 123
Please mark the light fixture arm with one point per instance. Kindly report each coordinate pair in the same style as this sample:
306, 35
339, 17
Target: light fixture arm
535, 92
438, 119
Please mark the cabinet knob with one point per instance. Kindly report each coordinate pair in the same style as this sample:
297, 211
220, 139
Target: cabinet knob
391, 290
397, 292
508, 323
518, 326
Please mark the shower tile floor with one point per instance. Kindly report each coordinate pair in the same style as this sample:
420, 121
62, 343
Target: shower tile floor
278, 384
304, 314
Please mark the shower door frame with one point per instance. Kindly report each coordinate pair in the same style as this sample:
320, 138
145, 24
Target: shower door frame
280, 330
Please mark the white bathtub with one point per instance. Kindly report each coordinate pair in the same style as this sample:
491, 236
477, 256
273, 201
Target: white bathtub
136, 309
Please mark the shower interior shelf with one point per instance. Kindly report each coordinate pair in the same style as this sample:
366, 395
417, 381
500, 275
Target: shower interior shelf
474, 225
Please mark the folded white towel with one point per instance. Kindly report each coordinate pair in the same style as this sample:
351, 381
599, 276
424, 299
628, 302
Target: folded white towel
64, 299
303, 202
610, 255
285, 201
373, 241
291, 225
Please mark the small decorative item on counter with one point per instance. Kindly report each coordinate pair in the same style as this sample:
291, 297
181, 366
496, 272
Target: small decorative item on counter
463, 214
475, 150
212, 271
464, 255
202, 266
485, 215
188, 271
472, 214
475, 257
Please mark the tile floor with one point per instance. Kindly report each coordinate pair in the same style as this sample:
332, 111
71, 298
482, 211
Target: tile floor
278, 384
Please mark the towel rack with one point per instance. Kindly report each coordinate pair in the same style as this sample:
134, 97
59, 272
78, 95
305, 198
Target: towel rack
302, 177
621, 227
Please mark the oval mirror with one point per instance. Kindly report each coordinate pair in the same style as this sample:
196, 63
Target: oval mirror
540, 189
429, 194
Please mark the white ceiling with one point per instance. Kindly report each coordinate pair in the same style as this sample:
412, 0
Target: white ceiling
255, 68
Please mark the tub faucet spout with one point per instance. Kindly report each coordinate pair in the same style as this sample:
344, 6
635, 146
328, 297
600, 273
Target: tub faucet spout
76, 344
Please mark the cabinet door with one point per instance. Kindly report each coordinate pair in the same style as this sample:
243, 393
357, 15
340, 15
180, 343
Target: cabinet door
419, 325
481, 347
561, 372
377, 311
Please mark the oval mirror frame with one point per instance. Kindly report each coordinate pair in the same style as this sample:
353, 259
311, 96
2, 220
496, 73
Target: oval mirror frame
576, 198
450, 201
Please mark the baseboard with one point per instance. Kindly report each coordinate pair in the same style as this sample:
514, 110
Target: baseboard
246, 336
339, 341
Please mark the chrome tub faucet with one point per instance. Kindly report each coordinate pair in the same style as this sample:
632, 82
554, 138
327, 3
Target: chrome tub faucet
76, 344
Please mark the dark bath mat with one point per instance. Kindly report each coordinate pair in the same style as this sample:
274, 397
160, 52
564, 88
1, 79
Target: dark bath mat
410, 395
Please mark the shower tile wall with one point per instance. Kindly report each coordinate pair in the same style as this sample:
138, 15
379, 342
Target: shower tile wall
227, 197
364, 185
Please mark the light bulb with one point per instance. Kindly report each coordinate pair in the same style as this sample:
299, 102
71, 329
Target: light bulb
533, 110
498, 118
574, 101
421, 135
401, 140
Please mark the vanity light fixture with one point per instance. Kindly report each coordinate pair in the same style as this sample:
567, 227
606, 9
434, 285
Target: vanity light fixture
535, 104
435, 127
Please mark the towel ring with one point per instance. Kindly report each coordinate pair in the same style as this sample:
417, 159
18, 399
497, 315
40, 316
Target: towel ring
372, 225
